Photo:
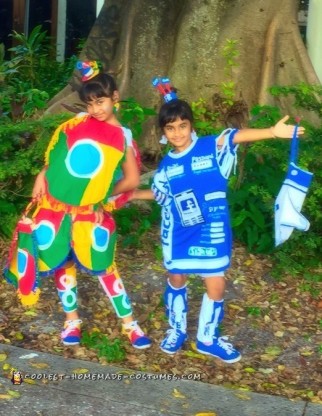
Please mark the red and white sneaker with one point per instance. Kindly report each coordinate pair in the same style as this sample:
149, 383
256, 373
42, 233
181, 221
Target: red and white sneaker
136, 336
71, 334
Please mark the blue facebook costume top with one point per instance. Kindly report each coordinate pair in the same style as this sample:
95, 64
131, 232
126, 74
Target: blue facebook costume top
195, 226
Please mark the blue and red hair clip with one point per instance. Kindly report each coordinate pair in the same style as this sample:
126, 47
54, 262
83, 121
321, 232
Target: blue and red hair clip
162, 84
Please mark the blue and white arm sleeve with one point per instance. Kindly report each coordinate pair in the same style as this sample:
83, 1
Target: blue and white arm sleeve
226, 154
160, 188
289, 203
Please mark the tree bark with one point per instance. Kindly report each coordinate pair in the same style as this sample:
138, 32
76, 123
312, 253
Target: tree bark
139, 39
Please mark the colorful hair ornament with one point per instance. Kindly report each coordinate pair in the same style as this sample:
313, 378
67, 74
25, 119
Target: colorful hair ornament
164, 87
88, 69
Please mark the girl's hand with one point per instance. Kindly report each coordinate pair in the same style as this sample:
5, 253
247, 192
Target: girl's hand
39, 188
285, 131
99, 216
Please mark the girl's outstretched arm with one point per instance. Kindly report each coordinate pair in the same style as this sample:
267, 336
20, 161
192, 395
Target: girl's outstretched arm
280, 130
143, 194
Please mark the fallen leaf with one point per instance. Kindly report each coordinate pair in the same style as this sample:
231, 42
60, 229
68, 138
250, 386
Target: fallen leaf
176, 393
279, 334
266, 370
242, 396
273, 350
307, 353
3, 357
40, 365
5, 396
29, 381
14, 393
193, 346
269, 385
206, 414
157, 324
30, 312
80, 371
316, 400
195, 355
236, 307
58, 349
267, 357
249, 370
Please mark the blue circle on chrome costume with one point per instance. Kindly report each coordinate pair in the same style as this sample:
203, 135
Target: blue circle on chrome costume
126, 303
100, 236
22, 262
84, 159
45, 234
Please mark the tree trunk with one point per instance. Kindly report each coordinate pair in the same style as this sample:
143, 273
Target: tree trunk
139, 39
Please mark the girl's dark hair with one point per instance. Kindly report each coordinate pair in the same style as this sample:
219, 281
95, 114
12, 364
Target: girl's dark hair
173, 110
102, 85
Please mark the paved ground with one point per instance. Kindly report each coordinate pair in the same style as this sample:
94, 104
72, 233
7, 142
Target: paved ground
110, 390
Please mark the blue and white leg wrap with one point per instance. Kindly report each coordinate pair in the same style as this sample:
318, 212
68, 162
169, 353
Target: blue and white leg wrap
289, 203
291, 197
176, 304
211, 314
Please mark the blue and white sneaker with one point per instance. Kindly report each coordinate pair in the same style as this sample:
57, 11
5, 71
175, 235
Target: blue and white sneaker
173, 341
220, 349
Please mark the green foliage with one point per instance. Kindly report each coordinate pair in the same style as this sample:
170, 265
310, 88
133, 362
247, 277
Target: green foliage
133, 115
204, 119
305, 95
112, 351
131, 224
251, 192
230, 54
302, 253
252, 200
254, 310
32, 76
22, 146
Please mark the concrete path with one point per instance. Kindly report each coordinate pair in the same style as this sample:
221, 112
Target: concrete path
60, 387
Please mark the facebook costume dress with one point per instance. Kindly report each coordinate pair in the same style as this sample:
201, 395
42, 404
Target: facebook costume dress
191, 187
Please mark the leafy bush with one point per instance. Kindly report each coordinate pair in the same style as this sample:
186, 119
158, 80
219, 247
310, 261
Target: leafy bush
111, 351
132, 223
22, 146
133, 115
32, 76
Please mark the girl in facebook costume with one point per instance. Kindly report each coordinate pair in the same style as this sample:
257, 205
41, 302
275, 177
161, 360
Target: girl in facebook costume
191, 184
